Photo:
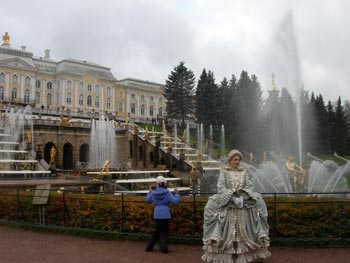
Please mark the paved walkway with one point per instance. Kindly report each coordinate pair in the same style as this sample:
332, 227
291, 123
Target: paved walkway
18, 245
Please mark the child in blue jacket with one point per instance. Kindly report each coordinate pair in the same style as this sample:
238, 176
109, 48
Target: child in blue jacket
161, 197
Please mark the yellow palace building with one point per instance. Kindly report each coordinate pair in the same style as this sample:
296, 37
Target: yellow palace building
75, 87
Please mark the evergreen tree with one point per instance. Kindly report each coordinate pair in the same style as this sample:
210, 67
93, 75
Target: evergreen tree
271, 127
248, 101
288, 125
229, 109
179, 92
202, 98
308, 123
207, 97
322, 126
330, 121
340, 130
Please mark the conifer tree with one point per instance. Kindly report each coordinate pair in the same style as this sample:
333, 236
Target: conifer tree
248, 101
322, 126
330, 121
340, 130
179, 92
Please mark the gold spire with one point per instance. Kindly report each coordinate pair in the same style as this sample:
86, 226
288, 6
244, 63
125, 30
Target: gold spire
273, 86
6, 39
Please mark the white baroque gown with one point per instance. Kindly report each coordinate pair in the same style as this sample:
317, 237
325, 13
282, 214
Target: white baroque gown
233, 233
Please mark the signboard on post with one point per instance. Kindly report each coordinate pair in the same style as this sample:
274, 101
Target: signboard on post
41, 194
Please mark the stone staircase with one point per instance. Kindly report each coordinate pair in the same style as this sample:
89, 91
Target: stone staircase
17, 163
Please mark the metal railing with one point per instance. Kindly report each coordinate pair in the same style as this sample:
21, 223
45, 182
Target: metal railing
325, 218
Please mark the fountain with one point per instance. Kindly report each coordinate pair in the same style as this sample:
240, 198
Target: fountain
222, 140
327, 176
210, 146
103, 143
16, 138
175, 137
188, 135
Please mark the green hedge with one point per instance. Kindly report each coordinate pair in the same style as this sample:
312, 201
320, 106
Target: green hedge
290, 217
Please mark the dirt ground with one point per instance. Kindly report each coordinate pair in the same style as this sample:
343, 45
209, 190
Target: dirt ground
18, 245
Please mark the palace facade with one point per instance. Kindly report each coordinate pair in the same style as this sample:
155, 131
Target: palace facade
74, 87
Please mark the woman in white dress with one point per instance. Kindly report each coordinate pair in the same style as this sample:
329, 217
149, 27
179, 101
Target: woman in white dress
235, 228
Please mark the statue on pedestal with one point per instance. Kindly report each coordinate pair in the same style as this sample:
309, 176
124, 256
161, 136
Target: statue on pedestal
296, 175
105, 168
53, 154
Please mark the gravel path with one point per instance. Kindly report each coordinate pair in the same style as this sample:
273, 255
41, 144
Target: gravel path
18, 245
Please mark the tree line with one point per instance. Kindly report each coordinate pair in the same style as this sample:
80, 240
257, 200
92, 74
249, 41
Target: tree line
252, 123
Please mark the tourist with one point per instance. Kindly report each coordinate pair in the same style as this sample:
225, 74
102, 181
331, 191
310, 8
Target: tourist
161, 197
235, 225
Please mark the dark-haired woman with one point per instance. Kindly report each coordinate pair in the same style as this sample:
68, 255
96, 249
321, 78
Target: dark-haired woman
161, 197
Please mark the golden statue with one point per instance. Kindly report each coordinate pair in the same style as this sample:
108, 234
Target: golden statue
53, 154
169, 143
193, 167
28, 136
163, 124
146, 133
105, 168
184, 135
126, 120
296, 174
6, 39
199, 157
65, 121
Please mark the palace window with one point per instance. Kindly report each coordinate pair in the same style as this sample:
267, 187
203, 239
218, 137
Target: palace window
97, 89
89, 101
26, 96
81, 99
15, 79
27, 80
109, 90
1, 93
89, 87
160, 100
49, 99
160, 111
14, 94
49, 85
69, 85
151, 110
133, 108
133, 96
2, 77
108, 103
142, 109
151, 99
69, 98
37, 97
81, 86
121, 106
121, 95
97, 101
38, 83
142, 97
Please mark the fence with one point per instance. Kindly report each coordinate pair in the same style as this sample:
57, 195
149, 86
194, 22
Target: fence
301, 216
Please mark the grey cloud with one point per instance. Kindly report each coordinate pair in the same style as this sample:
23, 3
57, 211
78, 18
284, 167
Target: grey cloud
144, 39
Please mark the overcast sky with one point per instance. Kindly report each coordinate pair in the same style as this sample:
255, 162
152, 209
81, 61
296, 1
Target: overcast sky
303, 40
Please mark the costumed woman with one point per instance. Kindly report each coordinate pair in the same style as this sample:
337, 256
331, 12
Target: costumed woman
235, 228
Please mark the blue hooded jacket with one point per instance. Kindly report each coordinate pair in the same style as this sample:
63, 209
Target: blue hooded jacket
162, 197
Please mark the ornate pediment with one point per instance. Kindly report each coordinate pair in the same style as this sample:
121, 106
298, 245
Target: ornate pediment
16, 63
